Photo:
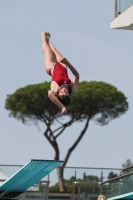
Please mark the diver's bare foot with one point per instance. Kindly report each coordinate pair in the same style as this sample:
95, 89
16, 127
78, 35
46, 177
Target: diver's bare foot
45, 40
45, 35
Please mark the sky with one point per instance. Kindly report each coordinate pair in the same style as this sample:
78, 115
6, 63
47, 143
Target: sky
80, 30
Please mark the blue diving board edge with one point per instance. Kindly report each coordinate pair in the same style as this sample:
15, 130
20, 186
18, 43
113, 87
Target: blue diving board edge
31, 173
123, 196
61, 161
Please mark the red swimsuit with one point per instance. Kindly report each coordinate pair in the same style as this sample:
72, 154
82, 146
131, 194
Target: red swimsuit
59, 74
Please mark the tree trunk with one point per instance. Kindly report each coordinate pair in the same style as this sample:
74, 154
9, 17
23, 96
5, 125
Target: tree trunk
61, 179
52, 140
61, 169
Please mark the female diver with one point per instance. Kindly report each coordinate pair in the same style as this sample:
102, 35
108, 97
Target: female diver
56, 66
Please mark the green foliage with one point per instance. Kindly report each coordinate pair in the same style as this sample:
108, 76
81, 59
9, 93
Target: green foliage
69, 184
30, 103
112, 175
128, 163
99, 101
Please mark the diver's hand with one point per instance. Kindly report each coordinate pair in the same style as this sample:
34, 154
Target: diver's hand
64, 111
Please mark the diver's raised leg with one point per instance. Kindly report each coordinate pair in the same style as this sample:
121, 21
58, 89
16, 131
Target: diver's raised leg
57, 54
49, 58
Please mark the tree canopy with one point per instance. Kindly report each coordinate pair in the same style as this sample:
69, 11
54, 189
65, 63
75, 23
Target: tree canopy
97, 100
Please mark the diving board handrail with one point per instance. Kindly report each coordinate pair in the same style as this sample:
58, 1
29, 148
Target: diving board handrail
126, 169
116, 178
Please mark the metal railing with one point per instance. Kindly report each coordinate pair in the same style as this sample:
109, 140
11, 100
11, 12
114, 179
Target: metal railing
115, 179
120, 185
126, 169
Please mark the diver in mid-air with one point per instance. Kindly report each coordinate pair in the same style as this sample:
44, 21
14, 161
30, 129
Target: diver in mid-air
56, 66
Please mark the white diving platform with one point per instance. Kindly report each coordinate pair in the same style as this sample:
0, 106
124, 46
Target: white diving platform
124, 20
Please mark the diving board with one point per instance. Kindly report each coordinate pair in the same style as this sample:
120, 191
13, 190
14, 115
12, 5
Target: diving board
25, 177
123, 196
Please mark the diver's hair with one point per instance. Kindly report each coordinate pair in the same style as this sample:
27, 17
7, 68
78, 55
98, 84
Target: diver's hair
70, 89
101, 197
64, 99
